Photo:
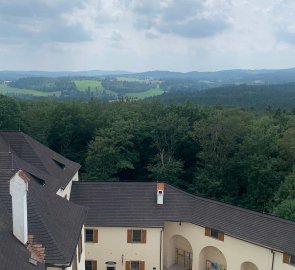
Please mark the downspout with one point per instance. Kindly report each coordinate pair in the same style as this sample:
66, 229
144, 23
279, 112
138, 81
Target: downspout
161, 244
273, 259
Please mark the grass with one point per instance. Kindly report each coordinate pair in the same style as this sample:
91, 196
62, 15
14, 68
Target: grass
93, 86
149, 93
5, 89
83, 85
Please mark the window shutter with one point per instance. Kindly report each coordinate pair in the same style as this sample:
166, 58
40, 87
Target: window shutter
286, 258
143, 236
95, 236
127, 265
129, 236
141, 265
207, 231
94, 265
221, 236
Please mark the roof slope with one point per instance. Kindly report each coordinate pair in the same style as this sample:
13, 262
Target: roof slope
53, 221
39, 159
134, 204
12, 257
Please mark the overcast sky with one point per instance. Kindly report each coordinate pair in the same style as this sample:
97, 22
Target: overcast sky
139, 35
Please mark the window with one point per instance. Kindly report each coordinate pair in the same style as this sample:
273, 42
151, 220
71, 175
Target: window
136, 236
91, 235
134, 265
214, 233
290, 259
110, 265
90, 265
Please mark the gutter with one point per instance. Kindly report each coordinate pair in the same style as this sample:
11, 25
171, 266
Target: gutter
273, 258
161, 244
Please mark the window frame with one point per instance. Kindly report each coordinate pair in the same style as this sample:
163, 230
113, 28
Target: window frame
135, 240
218, 235
94, 233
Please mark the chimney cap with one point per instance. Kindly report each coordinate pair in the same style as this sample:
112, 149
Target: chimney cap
23, 176
160, 186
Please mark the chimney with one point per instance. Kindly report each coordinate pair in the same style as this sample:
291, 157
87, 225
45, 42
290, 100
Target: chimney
160, 193
18, 191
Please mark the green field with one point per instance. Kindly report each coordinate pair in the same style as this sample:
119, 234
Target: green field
93, 86
5, 89
149, 93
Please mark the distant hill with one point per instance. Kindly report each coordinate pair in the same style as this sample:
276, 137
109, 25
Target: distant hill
13, 75
206, 79
259, 97
235, 76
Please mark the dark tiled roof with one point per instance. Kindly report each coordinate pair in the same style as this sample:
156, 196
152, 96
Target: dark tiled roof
38, 159
53, 221
134, 205
12, 258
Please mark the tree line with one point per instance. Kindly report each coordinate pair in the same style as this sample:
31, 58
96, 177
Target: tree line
242, 157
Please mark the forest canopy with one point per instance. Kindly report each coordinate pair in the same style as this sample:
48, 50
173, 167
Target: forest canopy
237, 156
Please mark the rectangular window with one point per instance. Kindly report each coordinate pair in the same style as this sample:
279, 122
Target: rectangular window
214, 233
134, 265
88, 235
91, 235
90, 265
292, 259
136, 236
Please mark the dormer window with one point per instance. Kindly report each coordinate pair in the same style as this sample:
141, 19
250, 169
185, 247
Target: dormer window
59, 164
39, 180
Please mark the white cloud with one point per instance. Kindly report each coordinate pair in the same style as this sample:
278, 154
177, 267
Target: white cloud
146, 34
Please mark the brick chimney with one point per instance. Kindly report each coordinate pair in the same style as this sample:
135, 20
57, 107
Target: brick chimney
160, 193
18, 191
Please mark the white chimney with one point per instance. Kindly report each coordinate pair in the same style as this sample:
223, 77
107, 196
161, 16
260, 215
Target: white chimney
160, 193
18, 192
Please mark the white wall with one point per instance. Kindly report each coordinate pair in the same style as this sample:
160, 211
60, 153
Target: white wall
234, 250
112, 246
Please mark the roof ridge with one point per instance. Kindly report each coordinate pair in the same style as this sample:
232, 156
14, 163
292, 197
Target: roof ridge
239, 208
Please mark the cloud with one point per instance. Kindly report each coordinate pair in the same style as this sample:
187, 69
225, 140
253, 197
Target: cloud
40, 21
285, 36
188, 19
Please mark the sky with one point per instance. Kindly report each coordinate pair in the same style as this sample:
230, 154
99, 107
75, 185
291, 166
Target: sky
141, 35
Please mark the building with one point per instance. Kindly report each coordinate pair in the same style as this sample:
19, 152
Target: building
39, 227
128, 226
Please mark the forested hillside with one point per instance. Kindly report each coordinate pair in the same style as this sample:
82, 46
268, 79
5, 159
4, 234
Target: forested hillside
248, 96
232, 155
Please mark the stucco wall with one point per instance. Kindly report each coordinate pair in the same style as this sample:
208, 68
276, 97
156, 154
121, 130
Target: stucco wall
234, 250
112, 246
